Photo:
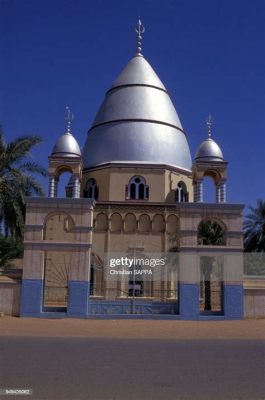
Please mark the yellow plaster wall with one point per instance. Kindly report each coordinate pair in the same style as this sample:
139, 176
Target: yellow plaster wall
162, 182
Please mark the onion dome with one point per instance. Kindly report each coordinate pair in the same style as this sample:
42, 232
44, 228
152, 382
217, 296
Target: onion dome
209, 150
66, 145
137, 121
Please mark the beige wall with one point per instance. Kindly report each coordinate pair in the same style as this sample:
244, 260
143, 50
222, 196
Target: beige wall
58, 234
254, 303
10, 297
162, 182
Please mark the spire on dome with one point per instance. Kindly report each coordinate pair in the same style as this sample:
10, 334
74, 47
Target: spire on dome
139, 29
209, 123
66, 145
69, 119
209, 150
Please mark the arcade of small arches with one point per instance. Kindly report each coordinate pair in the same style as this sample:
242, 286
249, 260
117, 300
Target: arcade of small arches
132, 223
209, 231
60, 224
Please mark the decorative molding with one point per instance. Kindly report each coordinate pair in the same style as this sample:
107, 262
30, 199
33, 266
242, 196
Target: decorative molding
72, 203
30, 227
82, 229
210, 249
146, 208
52, 245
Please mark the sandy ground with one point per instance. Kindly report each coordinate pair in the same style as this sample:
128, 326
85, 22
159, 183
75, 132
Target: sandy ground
246, 329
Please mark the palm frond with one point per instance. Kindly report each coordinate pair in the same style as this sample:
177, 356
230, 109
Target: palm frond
33, 168
254, 228
17, 180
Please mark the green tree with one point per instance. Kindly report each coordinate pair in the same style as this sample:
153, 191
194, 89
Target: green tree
254, 228
9, 250
209, 233
17, 180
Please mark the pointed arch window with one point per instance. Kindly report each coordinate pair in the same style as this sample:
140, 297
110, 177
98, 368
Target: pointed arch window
91, 191
137, 189
181, 193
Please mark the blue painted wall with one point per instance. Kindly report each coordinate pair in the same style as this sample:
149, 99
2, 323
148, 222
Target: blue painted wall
79, 304
233, 301
31, 297
137, 307
78, 298
189, 301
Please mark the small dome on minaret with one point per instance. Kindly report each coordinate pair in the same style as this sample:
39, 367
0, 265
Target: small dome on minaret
209, 150
66, 145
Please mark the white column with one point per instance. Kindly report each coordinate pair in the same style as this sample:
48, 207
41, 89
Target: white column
199, 191
76, 188
56, 187
51, 186
195, 192
223, 192
218, 193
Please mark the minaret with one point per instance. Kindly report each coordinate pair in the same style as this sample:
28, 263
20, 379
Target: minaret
209, 161
65, 157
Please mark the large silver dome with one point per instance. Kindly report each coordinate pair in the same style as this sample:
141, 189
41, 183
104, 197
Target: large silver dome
137, 122
66, 146
209, 151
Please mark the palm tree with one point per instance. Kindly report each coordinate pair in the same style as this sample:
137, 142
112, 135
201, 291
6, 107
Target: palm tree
17, 181
9, 250
254, 228
209, 233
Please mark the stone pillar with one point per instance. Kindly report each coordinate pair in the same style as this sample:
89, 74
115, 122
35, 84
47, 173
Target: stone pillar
32, 291
223, 192
198, 198
218, 193
51, 186
195, 192
233, 290
56, 187
189, 286
76, 188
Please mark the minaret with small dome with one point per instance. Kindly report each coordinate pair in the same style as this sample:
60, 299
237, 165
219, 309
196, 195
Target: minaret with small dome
65, 157
209, 161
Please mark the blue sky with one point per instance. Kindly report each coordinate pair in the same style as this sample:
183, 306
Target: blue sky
209, 54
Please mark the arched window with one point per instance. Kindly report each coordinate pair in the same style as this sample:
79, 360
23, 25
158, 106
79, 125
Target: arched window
181, 193
137, 189
91, 191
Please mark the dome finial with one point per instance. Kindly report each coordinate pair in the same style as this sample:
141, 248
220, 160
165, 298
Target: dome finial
209, 123
69, 119
139, 29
